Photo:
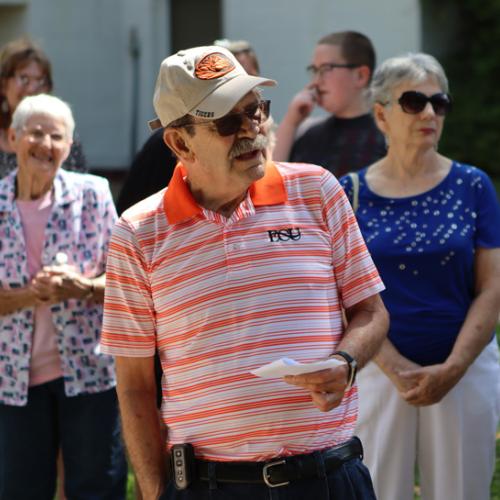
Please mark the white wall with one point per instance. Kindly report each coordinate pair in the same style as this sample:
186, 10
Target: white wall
88, 44
284, 32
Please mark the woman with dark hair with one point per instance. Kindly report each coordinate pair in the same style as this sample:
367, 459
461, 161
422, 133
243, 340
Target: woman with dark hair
25, 70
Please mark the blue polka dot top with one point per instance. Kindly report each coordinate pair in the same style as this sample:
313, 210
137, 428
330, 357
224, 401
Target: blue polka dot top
423, 247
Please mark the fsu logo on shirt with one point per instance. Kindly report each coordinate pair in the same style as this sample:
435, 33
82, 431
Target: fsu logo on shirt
289, 233
212, 66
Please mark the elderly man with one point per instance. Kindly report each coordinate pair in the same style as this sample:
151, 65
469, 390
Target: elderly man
237, 263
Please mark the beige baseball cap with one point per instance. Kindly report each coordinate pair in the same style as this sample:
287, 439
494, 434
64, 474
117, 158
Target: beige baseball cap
206, 82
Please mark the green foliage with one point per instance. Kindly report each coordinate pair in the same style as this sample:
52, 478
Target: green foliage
469, 55
131, 486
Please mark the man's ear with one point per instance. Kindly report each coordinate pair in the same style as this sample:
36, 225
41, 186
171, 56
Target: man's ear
363, 74
177, 141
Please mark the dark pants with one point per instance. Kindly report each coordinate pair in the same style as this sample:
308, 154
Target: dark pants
87, 430
350, 481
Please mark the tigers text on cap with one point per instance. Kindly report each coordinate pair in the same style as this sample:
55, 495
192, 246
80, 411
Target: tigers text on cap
203, 81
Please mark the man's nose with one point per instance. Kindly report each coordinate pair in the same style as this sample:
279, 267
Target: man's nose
315, 78
251, 125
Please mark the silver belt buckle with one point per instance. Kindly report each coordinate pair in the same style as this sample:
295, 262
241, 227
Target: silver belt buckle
266, 477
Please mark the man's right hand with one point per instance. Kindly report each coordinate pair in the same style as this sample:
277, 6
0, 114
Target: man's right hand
302, 105
299, 109
327, 387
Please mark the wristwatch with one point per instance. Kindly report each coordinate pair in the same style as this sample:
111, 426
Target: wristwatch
352, 365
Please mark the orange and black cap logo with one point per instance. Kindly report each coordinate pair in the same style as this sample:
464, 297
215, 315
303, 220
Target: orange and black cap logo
213, 66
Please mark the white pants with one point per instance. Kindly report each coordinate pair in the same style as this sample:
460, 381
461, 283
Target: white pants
452, 442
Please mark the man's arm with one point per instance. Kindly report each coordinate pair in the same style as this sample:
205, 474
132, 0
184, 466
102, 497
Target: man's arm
367, 325
368, 322
299, 109
136, 388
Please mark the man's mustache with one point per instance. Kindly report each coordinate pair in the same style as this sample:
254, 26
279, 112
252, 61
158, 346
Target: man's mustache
247, 145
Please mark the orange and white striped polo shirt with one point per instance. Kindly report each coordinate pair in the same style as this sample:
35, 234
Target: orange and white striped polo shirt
221, 296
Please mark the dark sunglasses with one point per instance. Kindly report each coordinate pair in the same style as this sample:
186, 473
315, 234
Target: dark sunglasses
231, 123
413, 102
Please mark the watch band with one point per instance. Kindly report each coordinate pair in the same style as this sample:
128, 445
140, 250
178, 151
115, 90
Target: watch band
352, 365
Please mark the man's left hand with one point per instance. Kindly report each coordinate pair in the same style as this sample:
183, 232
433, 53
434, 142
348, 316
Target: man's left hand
327, 387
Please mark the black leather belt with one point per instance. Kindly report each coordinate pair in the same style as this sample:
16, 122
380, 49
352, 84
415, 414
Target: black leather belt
281, 471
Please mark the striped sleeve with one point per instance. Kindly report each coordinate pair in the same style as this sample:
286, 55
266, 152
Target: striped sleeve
129, 319
355, 272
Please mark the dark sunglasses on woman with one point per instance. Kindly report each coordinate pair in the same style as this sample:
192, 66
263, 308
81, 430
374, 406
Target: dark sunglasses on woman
231, 123
413, 102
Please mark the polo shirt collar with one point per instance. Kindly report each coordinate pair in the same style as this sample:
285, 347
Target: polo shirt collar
179, 204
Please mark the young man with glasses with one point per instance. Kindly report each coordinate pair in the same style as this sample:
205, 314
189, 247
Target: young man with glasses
348, 138
230, 268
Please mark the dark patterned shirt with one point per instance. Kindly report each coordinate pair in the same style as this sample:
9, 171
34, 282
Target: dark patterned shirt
340, 145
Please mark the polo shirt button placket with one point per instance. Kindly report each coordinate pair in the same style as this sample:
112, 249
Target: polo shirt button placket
227, 247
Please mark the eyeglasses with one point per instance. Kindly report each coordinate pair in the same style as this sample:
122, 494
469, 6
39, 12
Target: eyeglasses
231, 123
325, 68
38, 83
413, 102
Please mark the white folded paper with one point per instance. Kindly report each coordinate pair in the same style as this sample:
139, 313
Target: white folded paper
287, 366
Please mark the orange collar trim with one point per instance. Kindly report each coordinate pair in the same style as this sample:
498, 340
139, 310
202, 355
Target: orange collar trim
179, 204
270, 190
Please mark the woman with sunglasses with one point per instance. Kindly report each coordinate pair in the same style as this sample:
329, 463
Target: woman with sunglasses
430, 400
25, 70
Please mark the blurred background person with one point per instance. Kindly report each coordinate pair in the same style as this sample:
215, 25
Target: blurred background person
26, 70
154, 164
56, 389
347, 139
244, 52
431, 398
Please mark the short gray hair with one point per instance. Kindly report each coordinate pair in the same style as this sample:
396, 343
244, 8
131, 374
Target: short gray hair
43, 104
411, 67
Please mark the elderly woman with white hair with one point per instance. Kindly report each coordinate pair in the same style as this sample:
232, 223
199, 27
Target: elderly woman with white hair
431, 398
56, 389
